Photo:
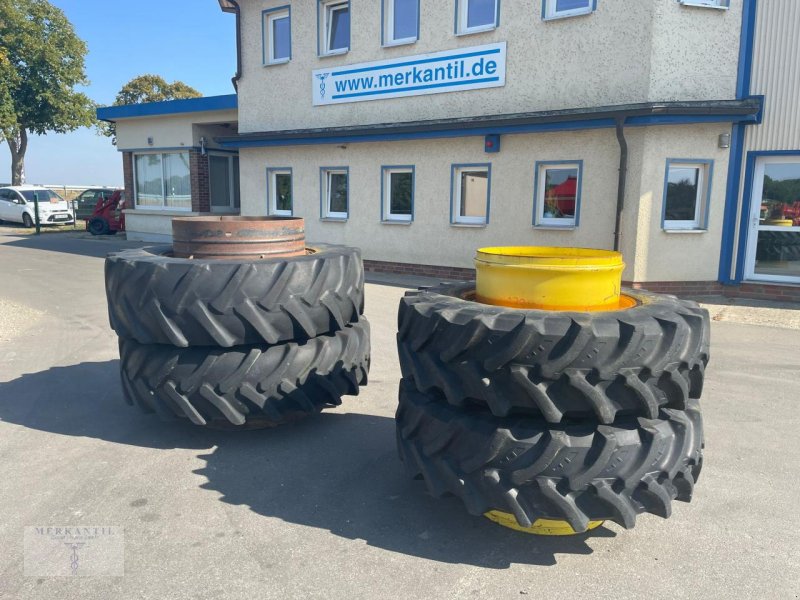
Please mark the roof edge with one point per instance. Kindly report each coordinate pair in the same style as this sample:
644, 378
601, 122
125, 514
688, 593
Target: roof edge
168, 107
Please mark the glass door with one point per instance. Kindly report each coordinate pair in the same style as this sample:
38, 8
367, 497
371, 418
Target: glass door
773, 252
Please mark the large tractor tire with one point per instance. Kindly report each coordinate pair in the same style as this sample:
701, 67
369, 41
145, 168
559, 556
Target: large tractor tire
155, 298
246, 386
554, 365
525, 467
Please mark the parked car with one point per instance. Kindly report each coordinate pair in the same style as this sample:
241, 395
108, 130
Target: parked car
87, 200
17, 206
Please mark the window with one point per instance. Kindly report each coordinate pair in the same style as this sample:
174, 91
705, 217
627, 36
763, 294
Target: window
470, 194
400, 22
334, 26
557, 194
277, 35
473, 16
223, 182
557, 9
397, 191
335, 192
162, 181
724, 4
279, 192
687, 188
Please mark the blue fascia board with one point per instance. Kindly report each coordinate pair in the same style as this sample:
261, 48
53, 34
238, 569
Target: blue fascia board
573, 125
168, 107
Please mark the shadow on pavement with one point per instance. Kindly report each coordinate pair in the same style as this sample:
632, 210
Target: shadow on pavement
78, 242
337, 472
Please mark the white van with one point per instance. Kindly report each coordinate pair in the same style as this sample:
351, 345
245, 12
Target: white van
16, 206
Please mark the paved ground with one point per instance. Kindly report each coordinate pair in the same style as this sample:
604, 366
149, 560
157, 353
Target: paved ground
322, 509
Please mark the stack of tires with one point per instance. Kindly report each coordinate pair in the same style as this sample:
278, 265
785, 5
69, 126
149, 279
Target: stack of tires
546, 415
239, 343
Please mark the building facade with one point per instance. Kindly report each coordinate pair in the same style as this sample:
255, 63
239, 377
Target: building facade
420, 130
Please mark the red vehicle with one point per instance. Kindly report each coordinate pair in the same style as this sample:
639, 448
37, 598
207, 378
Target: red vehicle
108, 216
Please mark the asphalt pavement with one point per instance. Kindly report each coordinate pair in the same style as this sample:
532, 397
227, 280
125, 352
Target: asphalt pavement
322, 509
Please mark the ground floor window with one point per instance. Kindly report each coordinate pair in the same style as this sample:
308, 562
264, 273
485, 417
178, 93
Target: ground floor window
557, 193
397, 191
279, 192
162, 180
687, 189
223, 184
334, 183
470, 194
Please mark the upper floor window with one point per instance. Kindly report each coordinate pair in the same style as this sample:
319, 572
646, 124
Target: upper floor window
400, 22
277, 35
557, 190
686, 194
473, 16
707, 3
334, 26
162, 181
470, 194
556, 9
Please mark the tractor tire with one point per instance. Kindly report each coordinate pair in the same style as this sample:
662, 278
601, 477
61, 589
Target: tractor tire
246, 387
576, 473
98, 226
551, 364
155, 298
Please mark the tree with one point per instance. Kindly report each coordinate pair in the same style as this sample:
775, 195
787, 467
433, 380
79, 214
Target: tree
148, 88
42, 62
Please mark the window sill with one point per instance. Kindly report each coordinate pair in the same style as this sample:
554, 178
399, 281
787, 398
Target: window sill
275, 63
334, 53
407, 42
556, 227
477, 30
333, 219
395, 222
685, 230
162, 212
690, 4
470, 225
569, 16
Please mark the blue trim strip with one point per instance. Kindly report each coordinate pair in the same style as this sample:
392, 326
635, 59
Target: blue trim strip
168, 107
709, 175
536, 169
322, 188
415, 62
453, 169
384, 168
480, 131
270, 171
746, 41
417, 88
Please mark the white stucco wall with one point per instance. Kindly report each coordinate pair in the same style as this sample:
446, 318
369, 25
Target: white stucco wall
170, 131
650, 253
627, 51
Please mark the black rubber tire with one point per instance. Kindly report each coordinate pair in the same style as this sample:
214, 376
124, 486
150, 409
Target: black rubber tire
247, 386
27, 221
98, 226
551, 364
575, 473
155, 298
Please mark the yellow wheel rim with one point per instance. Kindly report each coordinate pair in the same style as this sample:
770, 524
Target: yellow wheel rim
540, 527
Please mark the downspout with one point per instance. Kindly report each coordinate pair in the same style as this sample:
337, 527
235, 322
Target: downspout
623, 178
238, 12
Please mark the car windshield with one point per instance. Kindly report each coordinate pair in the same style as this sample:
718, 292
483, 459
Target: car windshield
44, 195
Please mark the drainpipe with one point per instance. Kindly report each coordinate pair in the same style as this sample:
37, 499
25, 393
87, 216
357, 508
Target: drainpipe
623, 178
238, 12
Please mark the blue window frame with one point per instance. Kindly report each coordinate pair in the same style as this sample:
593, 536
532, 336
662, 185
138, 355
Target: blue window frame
334, 193
276, 35
557, 193
474, 16
333, 27
470, 192
687, 194
400, 22
397, 193
559, 9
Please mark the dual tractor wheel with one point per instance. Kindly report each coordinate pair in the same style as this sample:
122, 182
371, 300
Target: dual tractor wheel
239, 343
533, 416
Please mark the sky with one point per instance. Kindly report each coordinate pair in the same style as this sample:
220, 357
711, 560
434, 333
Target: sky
188, 40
